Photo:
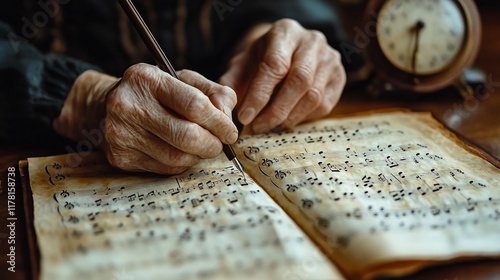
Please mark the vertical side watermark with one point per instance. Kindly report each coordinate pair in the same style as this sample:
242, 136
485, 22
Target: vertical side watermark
11, 219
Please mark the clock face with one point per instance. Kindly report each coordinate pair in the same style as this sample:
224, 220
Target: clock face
421, 37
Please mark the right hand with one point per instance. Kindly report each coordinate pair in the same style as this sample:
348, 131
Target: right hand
154, 122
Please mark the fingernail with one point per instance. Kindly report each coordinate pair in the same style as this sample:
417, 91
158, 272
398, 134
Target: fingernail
232, 137
247, 116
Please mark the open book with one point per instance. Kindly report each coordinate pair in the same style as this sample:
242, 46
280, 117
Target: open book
354, 197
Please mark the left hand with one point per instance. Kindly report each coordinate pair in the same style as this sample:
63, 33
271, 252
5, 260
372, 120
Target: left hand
286, 76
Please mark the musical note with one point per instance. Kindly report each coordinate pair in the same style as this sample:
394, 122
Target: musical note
243, 182
391, 162
69, 205
64, 193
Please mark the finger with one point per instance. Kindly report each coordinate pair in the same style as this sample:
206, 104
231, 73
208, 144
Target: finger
299, 81
167, 154
274, 66
241, 68
139, 150
196, 107
313, 98
127, 120
152, 165
184, 135
137, 161
222, 97
333, 91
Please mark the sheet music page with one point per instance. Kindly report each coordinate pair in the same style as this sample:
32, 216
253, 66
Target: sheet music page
93, 222
377, 189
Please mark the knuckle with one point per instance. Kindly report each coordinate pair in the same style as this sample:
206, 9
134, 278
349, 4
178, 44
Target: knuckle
136, 70
231, 94
131, 71
288, 22
184, 72
314, 97
275, 63
226, 95
302, 76
197, 105
334, 55
318, 36
188, 76
143, 77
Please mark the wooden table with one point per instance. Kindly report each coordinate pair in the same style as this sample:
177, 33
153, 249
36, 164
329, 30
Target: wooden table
476, 120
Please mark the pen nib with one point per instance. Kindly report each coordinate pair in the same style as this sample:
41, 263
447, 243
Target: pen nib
238, 165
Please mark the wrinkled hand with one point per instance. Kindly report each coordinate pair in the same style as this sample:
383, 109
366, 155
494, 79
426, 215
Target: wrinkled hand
284, 77
153, 122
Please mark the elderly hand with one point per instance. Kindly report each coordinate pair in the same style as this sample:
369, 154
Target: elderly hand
286, 76
152, 122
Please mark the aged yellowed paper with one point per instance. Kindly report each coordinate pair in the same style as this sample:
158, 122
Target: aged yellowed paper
93, 222
387, 192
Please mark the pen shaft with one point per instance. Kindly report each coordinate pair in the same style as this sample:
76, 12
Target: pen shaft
148, 38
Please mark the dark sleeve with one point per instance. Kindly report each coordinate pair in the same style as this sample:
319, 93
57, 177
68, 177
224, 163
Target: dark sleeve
33, 87
232, 18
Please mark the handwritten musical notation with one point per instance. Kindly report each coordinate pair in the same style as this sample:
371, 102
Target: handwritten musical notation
366, 178
365, 189
205, 223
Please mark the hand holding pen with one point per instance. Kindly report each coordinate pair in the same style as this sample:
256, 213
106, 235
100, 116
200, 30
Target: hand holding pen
178, 122
164, 64
149, 120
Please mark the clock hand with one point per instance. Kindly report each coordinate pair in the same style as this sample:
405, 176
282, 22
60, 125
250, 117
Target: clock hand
418, 27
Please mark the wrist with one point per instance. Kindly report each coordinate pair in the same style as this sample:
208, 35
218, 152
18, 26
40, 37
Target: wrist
85, 106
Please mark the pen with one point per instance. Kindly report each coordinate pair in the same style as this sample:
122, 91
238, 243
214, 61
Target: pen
163, 62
